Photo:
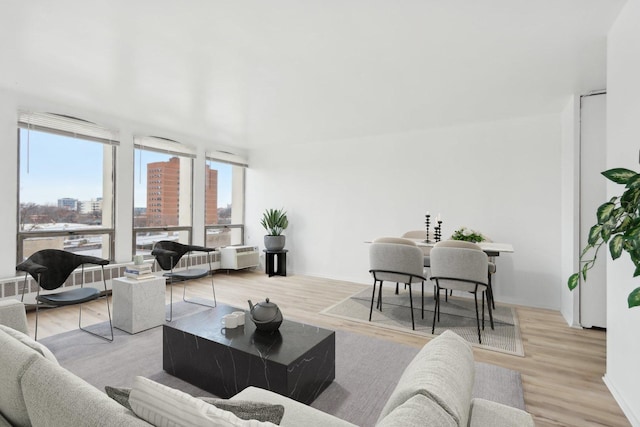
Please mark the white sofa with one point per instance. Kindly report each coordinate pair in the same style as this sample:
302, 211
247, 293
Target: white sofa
435, 389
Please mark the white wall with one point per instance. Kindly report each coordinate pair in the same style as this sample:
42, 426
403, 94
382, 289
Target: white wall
569, 249
623, 132
501, 178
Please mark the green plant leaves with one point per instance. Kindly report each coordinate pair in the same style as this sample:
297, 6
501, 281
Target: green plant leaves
615, 246
619, 225
274, 221
634, 298
619, 175
604, 212
573, 281
594, 234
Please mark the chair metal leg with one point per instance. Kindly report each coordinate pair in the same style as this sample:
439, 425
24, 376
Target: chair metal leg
483, 309
193, 301
490, 315
422, 299
373, 295
475, 298
379, 305
413, 324
106, 296
397, 285
35, 336
490, 293
170, 301
436, 295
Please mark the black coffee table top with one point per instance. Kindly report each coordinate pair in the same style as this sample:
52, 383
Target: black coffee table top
283, 346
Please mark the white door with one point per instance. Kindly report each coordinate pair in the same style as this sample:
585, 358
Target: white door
593, 292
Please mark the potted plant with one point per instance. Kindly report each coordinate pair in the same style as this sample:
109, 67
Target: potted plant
468, 235
275, 222
619, 226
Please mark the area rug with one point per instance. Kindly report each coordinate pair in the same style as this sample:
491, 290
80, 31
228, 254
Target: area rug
457, 314
367, 369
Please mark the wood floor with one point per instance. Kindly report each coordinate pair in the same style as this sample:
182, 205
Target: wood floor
561, 372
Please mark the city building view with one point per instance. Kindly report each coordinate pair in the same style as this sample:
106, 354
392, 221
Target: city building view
63, 204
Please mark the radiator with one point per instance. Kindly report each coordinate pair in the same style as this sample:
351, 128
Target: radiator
238, 257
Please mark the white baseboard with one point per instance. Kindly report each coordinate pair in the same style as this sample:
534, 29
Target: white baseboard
633, 418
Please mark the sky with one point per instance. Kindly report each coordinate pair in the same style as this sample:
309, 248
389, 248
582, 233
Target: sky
53, 167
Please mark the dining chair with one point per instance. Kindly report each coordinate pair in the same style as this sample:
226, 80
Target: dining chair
168, 254
462, 269
491, 268
50, 268
397, 260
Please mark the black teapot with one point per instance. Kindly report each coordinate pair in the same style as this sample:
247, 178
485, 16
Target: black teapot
266, 315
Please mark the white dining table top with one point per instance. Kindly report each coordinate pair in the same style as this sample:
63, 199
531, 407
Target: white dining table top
486, 246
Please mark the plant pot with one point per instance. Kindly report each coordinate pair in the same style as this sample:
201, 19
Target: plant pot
274, 243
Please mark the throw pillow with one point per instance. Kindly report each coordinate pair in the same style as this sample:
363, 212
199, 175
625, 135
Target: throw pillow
248, 410
164, 406
120, 395
243, 409
30, 342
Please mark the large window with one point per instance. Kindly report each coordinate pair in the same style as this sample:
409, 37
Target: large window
65, 185
224, 203
162, 194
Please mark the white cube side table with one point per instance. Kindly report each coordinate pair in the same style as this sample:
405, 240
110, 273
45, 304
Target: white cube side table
138, 305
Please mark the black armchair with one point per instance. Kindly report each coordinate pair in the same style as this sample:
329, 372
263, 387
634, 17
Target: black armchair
51, 268
168, 254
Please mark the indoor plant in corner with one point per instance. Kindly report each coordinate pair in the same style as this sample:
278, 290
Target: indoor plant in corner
275, 222
619, 226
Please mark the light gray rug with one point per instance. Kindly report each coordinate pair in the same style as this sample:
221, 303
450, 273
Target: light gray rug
457, 314
367, 369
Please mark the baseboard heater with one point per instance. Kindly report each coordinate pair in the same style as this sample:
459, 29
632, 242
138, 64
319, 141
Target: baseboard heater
239, 257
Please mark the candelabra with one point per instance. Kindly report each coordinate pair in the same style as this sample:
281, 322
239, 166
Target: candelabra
427, 222
438, 231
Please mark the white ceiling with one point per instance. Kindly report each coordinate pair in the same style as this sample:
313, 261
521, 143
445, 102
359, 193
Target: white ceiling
246, 73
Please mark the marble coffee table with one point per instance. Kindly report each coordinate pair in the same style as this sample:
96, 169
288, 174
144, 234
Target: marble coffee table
297, 361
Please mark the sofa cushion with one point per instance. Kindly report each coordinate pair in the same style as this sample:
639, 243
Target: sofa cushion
16, 359
485, 413
296, 414
164, 406
12, 314
418, 411
444, 371
29, 342
56, 397
4, 422
246, 410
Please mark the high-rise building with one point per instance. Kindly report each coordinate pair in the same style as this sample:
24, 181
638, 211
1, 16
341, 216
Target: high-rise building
163, 192
211, 196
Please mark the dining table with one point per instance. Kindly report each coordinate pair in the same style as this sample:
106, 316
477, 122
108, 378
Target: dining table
492, 249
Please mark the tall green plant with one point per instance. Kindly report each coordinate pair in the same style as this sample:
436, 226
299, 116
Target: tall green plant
619, 226
274, 221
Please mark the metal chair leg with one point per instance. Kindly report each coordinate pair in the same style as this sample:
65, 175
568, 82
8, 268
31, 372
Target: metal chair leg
413, 324
422, 299
435, 309
373, 295
475, 297
191, 301
108, 310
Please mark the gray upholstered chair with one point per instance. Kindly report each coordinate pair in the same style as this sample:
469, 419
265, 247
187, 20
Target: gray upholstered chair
491, 269
395, 260
462, 269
